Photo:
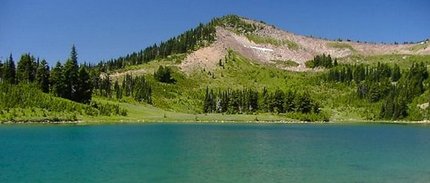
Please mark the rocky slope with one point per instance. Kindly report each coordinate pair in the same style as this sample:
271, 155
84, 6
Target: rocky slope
270, 45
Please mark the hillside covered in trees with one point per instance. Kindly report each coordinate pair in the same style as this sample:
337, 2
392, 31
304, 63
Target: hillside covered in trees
152, 84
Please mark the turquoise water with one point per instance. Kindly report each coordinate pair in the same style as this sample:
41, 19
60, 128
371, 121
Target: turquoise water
215, 153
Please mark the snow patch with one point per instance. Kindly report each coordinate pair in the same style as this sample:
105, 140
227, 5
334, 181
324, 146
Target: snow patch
259, 48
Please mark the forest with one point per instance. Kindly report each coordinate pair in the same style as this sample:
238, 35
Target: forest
34, 87
380, 82
248, 101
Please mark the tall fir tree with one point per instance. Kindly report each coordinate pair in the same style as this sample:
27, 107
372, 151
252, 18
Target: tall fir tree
71, 72
26, 69
42, 76
118, 91
9, 71
58, 81
84, 87
1, 71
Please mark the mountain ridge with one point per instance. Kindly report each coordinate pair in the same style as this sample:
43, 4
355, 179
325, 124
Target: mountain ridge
205, 45
269, 44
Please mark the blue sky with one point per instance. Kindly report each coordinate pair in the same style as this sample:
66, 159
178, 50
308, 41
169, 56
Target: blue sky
111, 28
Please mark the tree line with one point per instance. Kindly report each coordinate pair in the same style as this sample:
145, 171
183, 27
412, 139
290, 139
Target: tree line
69, 81
324, 61
190, 40
250, 100
396, 89
409, 86
136, 87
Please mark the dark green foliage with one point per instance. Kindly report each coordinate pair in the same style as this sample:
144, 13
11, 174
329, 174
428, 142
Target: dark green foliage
105, 86
305, 104
128, 85
374, 91
164, 74
360, 73
42, 76
58, 81
84, 87
118, 91
1, 70
247, 101
9, 71
209, 104
395, 106
106, 109
382, 82
235, 22
142, 90
26, 69
71, 74
71, 81
136, 87
324, 61
396, 74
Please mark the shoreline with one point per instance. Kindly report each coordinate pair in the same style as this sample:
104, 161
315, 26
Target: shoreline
113, 122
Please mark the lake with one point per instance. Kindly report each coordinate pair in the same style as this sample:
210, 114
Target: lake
171, 152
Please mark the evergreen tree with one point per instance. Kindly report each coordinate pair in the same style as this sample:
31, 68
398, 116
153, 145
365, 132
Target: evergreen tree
1, 71
84, 86
118, 91
278, 102
9, 71
106, 86
58, 81
42, 76
290, 105
164, 74
26, 69
395, 75
142, 90
335, 62
71, 72
304, 103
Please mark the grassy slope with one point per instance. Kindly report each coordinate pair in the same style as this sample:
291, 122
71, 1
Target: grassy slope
269, 40
404, 61
183, 101
26, 103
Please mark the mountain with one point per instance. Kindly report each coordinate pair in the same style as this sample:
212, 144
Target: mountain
268, 44
237, 69
232, 55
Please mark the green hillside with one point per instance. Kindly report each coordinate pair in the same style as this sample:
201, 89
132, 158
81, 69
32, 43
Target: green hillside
150, 85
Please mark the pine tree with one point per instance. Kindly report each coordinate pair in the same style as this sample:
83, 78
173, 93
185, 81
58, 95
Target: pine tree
1, 71
278, 102
26, 69
164, 74
118, 91
42, 76
84, 87
304, 103
335, 62
106, 86
71, 71
290, 105
9, 71
58, 81
142, 90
